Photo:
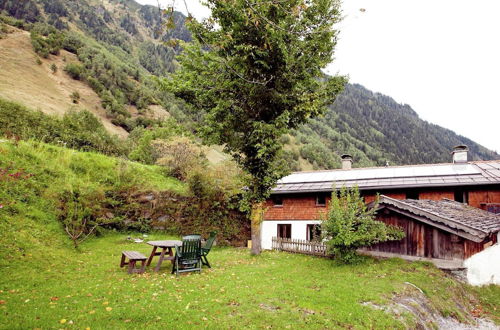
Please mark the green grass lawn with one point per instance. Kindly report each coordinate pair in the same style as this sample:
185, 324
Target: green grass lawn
87, 289
45, 283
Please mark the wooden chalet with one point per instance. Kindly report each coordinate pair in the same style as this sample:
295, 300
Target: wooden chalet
412, 196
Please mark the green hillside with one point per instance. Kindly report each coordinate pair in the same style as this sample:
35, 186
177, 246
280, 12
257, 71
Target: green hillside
123, 47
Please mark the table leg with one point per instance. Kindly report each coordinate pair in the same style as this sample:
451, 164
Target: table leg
151, 256
171, 252
162, 255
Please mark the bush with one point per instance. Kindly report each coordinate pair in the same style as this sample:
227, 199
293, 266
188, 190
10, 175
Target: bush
46, 39
75, 97
142, 138
74, 70
350, 225
180, 156
53, 68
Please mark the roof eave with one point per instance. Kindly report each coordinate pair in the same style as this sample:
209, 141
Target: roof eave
433, 219
385, 187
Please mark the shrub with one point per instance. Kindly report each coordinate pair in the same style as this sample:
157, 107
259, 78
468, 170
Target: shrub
350, 225
75, 97
74, 70
76, 212
180, 155
53, 68
142, 138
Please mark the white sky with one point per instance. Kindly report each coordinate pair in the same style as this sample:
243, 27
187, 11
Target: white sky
442, 57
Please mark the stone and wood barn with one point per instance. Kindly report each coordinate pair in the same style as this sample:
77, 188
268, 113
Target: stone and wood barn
446, 210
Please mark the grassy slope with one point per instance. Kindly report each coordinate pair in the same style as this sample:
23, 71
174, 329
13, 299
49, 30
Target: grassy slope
23, 80
28, 218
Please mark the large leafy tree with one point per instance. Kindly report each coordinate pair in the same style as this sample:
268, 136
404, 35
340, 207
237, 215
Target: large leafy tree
254, 72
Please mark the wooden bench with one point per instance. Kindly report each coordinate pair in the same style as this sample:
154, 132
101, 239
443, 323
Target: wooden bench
133, 257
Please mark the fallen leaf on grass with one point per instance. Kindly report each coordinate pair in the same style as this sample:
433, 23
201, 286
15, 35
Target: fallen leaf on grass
106, 303
127, 321
62, 321
109, 309
269, 307
54, 298
307, 311
92, 312
2, 302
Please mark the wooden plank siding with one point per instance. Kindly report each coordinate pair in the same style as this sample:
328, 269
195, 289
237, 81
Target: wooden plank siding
423, 240
483, 196
295, 207
436, 195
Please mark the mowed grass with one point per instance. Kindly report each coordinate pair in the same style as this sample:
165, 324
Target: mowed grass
87, 289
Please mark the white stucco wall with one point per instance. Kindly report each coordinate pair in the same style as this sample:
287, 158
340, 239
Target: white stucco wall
484, 267
269, 229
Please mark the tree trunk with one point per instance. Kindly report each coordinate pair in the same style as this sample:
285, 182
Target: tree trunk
256, 218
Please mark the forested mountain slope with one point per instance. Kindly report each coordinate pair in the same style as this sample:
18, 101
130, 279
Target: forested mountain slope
375, 129
118, 49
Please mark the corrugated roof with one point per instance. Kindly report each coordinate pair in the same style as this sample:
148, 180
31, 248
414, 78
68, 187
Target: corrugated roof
461, 219
435, 175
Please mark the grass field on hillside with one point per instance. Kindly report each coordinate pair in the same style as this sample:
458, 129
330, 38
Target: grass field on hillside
35, 176
87, 289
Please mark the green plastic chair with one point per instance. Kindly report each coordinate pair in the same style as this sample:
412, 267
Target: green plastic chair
192, 236
187, 256
206, 249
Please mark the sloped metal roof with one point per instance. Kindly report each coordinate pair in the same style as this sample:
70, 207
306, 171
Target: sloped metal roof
434, 175
457, 218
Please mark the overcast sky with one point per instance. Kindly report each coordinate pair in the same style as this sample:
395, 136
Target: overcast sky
442, 57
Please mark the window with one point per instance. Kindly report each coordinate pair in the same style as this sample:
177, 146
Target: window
461, 196
277, 201
285, 230
313, 232
320, 200
412, 194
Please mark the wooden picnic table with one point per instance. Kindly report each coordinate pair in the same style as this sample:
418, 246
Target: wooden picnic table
165, 246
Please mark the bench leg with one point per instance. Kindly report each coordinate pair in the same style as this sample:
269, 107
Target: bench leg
131, 266
122, 262
143, 266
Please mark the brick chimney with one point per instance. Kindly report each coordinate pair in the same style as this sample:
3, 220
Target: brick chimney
346, 162
460, 154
